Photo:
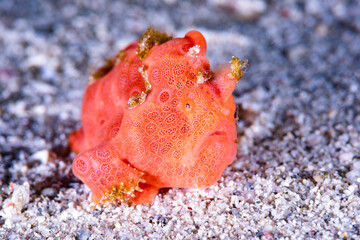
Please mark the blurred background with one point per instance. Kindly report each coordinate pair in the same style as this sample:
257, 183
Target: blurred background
49, 48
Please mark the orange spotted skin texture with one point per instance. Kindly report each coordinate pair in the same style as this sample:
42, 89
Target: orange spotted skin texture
182, 135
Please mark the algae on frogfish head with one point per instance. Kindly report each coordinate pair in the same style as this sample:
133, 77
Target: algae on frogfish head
102, 71
237, 68
150, 38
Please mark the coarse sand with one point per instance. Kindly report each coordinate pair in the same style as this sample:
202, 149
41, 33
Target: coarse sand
297, 172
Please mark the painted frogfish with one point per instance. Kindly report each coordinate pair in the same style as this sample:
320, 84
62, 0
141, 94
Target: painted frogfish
156, 116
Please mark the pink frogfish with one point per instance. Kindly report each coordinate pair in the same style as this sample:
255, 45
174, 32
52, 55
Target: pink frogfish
156, 116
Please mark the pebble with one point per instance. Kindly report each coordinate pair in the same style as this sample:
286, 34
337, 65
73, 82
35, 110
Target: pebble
49, 192
43, 155
354, 175
37, 87
314, 7
18, 108
346, 157
297, 53
356, 165
318, 177
21, 196
244, 10
84, 234
268, 228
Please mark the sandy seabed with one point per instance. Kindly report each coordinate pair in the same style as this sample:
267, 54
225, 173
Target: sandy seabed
297, 173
